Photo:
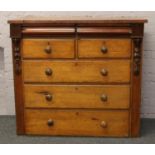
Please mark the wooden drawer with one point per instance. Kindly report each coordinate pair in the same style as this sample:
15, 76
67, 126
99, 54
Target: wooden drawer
108, 48
77, 96
48, 48
76, 122
77, 71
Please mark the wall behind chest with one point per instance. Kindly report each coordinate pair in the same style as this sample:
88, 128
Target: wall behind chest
148, 85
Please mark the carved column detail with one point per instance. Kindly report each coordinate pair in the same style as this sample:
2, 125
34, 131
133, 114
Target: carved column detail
137, 54
17, 55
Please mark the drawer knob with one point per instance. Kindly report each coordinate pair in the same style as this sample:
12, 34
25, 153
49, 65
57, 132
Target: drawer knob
48, 71
104, 49
48, 97
104, 72
48, 49
103, 124
104, 98
50, 122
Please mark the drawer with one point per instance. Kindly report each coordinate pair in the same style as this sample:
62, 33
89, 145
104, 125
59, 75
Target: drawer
48, 48
76, 122
76, 71
104, 48
77, 96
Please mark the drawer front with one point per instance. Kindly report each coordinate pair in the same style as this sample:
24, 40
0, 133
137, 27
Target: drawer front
48, 48
86, 123
100, 48
71, 96
77, 71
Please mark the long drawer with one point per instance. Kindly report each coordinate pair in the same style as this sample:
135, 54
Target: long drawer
76, 71
48, 48
104, 48
77, 96
67, 122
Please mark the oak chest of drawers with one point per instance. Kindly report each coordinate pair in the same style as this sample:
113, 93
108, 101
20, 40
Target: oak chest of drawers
77, 77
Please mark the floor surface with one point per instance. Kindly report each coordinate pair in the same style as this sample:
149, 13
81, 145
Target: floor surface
8, 135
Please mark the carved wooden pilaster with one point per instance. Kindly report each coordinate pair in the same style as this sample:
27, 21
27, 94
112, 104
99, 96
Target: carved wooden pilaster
17, 55
137, 55
136, 86
15, 32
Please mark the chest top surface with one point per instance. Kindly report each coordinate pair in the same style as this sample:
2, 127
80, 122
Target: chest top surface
77, 20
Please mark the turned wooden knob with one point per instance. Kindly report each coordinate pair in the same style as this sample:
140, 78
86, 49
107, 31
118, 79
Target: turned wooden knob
104, 49
48, 49
50, 122
48, 97
103, 124
48, 71
104, 72
104, 98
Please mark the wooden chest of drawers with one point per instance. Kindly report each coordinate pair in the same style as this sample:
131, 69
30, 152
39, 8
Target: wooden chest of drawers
77, 77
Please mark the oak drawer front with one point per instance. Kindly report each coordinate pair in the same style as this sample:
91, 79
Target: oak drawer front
100, 48
76, 122
48, 48
77, 71
74, 96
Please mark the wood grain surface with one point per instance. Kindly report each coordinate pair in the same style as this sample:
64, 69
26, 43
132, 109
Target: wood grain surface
77, 96
76, 71
116, 48
60, 48
76, 122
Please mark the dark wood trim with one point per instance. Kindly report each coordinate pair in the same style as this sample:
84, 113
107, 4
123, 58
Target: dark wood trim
80, 35
18, 84
136, 87
15, 30
138, 30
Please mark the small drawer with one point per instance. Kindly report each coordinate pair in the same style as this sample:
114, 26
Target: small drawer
76, 122
77, 96
104, 48
48, 48
107, 71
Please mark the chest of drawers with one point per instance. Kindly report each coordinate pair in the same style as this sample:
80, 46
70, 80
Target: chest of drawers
77, 77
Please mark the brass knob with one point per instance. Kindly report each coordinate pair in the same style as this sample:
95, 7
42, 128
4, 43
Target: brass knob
104, 72
104, 49
104, 97
48, 49
103, 124
48, 71
50, 122
48, 97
